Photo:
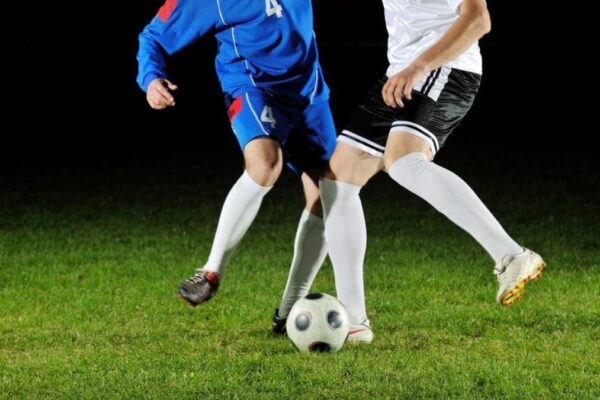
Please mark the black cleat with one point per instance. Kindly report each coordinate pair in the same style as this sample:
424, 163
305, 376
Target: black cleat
278, 323
199, 288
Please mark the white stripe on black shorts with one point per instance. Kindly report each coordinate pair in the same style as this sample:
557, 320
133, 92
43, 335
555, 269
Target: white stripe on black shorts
438, 104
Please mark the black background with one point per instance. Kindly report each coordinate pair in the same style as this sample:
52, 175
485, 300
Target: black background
74, 100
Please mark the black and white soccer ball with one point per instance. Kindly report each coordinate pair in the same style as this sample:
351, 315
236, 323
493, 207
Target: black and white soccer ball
318, 322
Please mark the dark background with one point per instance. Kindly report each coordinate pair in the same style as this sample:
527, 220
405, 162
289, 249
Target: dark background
74, 101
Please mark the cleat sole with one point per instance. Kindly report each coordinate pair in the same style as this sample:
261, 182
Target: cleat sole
189, 303
515, 293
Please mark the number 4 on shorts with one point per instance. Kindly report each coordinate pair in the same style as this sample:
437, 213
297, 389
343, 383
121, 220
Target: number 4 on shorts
274, 8
267, 116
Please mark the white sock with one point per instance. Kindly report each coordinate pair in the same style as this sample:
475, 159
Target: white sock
238, 212
346, 234
451, 196
309, 254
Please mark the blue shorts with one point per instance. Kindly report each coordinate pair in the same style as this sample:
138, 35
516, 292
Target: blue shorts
306, 133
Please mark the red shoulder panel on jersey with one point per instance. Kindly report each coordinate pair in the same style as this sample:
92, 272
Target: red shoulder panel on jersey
165, 11
235, 108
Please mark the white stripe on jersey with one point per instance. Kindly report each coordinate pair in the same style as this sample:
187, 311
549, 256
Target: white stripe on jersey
312, 96
221, 13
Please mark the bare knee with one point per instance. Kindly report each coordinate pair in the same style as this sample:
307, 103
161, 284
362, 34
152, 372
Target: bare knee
401, 144
264, 161
351, 165
265, 172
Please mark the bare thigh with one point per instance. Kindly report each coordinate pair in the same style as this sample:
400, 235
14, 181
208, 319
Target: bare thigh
400, 144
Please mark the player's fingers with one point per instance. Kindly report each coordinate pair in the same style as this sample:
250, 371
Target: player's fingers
388, 93
171, 85
408, 88
166, 100
384, 92
155, 105
155, 97
398, 94
159, 100
164, 92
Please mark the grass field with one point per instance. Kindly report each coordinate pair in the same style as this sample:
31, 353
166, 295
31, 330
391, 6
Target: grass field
90, 263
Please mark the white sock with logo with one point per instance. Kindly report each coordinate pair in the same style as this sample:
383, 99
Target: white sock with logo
451, 196
238, 213
346, 234
309, 253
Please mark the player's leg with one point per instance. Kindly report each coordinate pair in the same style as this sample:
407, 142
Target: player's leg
357, 157
346, 231
408, 154
263, 164
309, 250
346, 236
307, 149
408, 162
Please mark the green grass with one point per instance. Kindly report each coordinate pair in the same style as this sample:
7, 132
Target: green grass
89, 266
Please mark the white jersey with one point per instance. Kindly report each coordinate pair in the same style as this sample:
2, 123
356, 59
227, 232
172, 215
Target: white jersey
416, 25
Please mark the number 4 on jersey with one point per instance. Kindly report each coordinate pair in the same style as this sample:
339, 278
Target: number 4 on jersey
274, 8
267, 116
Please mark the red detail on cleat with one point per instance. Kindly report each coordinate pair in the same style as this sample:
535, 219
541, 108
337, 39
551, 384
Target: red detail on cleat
165, 11
235, 108
352, 332
212, 277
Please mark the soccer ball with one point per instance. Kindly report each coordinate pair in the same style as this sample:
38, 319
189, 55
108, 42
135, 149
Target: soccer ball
318, 322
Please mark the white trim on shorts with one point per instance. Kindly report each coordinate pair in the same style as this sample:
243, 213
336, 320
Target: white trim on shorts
361, 143
417, 130
376, 150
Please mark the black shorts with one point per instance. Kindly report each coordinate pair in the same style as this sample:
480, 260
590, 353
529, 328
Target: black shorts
438, 104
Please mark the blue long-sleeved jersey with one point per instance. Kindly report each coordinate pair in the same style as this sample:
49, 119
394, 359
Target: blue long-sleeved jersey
263, 45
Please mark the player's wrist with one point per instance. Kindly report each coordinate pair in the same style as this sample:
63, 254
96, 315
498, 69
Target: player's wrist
149, 80
421, 65
156, 81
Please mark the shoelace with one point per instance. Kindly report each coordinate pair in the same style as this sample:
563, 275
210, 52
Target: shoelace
198, 277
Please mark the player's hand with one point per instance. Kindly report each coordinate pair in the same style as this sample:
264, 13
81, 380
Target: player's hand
159, 94
400, 86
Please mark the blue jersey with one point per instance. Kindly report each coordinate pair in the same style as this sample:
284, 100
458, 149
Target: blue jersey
263, 45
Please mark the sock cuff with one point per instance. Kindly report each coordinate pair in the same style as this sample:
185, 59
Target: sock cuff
408, 159
333, 189
247, 182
